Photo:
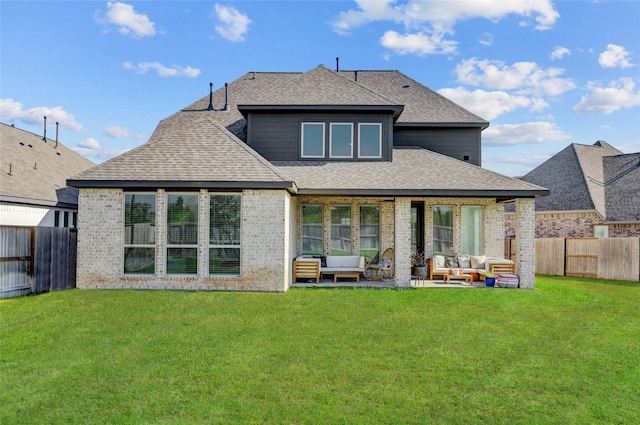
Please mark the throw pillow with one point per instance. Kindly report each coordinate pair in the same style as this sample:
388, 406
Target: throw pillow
477, 261
452, 262
464, 262
438, 261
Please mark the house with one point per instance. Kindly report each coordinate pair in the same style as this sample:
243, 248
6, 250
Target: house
595, 192
228, 191
33, 181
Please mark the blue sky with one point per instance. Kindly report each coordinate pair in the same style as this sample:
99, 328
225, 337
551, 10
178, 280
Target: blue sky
544, 73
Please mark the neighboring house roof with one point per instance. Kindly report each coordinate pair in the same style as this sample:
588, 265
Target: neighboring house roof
414, 171
35, 171
187, 147
590, 177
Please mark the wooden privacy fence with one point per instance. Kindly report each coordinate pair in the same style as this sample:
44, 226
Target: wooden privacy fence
36, 260
603, 258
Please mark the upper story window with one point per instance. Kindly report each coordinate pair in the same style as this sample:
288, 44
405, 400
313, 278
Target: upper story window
312, 140
369, 140
341, 140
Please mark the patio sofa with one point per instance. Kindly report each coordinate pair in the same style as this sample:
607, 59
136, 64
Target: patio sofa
314, 267
478, 265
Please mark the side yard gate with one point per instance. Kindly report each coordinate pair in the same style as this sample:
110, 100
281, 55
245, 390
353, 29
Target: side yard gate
36, 259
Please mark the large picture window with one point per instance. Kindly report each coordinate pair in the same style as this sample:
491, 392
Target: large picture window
224, 234
370, 231
312, 140
341, 140
443, 230
471, 237
139, 233
182, 234
370, 140
312, 229
341, 230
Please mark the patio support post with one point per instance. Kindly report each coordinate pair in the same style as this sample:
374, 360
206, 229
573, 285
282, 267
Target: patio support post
403, 242
525, 241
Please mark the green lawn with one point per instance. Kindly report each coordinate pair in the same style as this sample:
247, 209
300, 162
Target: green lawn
565, 353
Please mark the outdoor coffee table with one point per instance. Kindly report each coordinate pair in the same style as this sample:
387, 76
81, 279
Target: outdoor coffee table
466, 277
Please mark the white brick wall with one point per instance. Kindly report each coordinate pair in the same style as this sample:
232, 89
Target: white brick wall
264, 241
525, 242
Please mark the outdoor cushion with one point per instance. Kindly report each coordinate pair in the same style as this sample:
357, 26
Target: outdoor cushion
439, 262
464, 262
477, 261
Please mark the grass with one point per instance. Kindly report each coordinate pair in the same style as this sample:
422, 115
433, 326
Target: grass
565, 353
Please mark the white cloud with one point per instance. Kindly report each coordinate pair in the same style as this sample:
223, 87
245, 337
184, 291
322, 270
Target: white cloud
129, 22
90, 143
420, 44
232, 25
528, 77
163, 71
92, 149
10, 110
491, 104
559, 52
621, 93
427, 22
520, 134
118, 132
486, 39
615, 57
631, 147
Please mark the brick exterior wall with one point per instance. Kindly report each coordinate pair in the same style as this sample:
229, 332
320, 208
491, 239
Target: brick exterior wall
572, 224
525, 242
265, 244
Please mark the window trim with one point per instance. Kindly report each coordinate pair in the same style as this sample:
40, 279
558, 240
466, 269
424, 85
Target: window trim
302, 125
331, 125
125, 245
213, 246
379, 125
169, 246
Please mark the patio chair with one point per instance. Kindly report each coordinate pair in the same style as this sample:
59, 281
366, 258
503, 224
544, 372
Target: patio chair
382, 269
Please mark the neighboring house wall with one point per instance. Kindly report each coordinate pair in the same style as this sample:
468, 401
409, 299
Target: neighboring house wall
264, 244
34, 216
277, 137
569, 224
455, 142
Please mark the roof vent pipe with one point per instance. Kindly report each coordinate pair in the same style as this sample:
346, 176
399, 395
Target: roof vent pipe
226, 97
356, 74
45, 129
337, 64
210, 108
56, 134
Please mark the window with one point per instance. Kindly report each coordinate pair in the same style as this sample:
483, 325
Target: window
312, 229
182, 234
600, 231
443, 230
471, 237
370, 140
312, 140
75, 220
56, 218
369, 231
224, 234
66, 219
139, 233
341, 140
340, 230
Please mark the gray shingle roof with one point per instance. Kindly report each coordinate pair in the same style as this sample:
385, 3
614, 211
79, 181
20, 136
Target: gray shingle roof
414, 171
622, 187
186, 147
421, 104
590, 177
39, 169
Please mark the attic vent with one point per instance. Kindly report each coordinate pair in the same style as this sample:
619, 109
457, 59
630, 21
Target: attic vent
22, 143
30, 146
58, 153
406, 86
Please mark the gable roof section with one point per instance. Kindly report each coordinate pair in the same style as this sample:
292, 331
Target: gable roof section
422, 106
576, 178
187, 150
622, 187
414, 172
39, 169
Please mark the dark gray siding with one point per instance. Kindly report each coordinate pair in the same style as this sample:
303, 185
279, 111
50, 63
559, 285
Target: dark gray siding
454, 142
276, 136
